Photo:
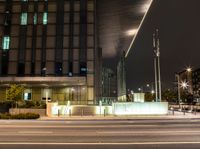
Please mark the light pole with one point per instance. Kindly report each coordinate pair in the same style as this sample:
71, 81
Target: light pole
189, 80
178, 85
156, 48
183, 84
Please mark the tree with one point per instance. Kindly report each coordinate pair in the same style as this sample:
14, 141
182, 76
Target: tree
169, 96
149, 97
14, 93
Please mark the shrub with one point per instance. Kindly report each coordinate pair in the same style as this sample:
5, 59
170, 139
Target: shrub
20, 116
33, 105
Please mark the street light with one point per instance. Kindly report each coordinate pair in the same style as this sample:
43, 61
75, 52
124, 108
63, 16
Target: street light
189, 69
152, 92
184, 84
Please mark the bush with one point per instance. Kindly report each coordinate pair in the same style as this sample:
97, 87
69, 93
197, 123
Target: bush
33, 105
20, 116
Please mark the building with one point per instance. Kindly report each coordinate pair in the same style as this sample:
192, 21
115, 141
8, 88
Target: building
121, 79
50, 47
196, 82
109, 86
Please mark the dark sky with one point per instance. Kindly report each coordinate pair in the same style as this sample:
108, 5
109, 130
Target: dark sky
179, 24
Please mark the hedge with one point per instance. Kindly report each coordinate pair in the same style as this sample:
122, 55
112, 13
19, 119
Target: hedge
20, 116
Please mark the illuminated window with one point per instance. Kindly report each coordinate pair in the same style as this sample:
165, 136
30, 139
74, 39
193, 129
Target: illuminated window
45, 18
6, 43
27, 94
35, 19
24, 17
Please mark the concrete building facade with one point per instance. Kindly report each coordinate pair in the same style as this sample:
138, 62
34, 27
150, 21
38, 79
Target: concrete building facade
50, 47
196, 83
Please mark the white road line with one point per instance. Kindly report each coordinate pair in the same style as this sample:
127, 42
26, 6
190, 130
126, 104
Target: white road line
35, 132
111, 143
145, 132
88, 126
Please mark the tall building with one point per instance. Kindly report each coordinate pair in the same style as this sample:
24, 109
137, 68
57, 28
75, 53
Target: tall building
50, 47
196, 82
109, 86
121, 79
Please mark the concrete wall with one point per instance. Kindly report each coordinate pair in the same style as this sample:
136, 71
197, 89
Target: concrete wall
146, 108
41, 112
121, 108
53, 109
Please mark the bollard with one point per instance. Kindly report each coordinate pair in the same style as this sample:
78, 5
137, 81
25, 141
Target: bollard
70, 113
104, 112
58, 112
184, 110
195, 111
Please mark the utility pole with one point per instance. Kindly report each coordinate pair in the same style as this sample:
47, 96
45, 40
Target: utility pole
156, 47
179, 92
155, 68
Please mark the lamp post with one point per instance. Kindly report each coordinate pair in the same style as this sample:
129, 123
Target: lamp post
156, 48
178, 85
182, 84
189, 79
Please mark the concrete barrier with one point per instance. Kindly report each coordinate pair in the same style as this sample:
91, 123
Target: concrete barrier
119, 108
146, 108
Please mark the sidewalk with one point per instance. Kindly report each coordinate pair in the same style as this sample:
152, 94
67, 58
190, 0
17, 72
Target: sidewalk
177, 115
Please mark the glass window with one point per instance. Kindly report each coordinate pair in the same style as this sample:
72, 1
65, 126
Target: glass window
45, 18
6, 43
24, 17
35, 19
27, 94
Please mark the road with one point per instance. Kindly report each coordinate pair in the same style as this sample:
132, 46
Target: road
97, 134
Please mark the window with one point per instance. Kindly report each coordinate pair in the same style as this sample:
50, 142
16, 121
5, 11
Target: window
45, 18
27, 94
6, 43
24, 17
35, 19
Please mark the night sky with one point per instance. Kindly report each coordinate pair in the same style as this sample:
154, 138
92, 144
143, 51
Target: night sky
179, 24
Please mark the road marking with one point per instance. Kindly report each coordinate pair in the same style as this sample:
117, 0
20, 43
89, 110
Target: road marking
87, 126
35, 132
111, 143
146, 132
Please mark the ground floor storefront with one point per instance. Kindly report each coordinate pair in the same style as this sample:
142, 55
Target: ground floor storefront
51, 89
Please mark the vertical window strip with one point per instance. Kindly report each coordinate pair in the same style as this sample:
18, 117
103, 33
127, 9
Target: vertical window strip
35, 19
24, 17
45, 18
6, 43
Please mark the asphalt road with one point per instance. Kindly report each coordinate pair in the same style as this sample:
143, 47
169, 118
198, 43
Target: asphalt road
97, 134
